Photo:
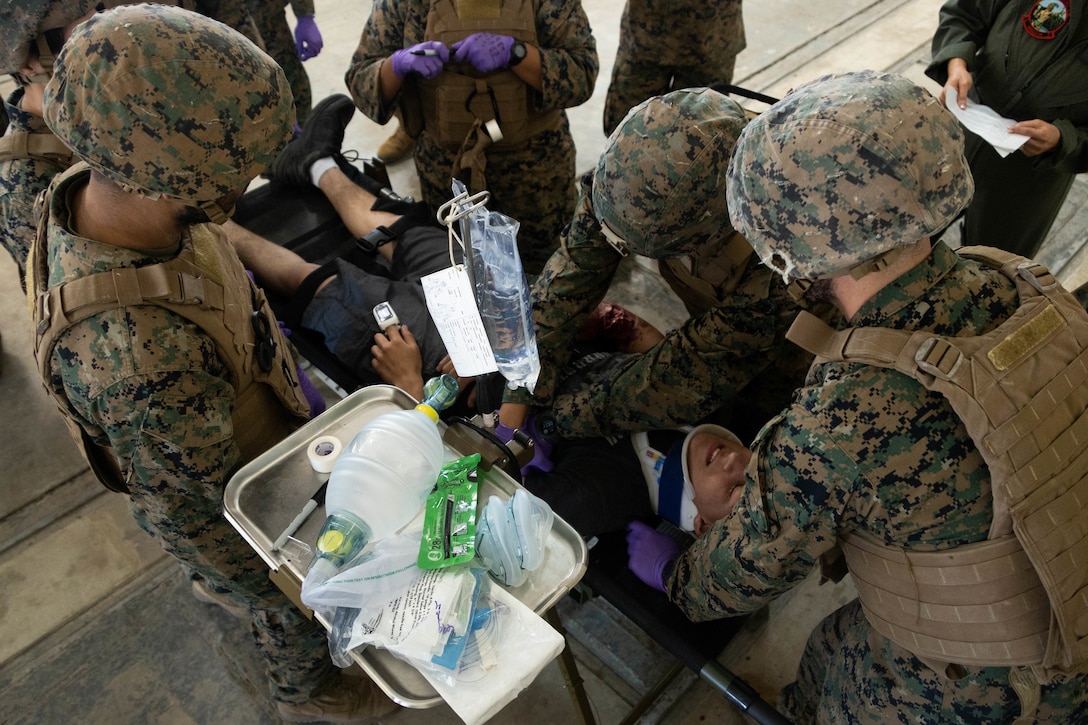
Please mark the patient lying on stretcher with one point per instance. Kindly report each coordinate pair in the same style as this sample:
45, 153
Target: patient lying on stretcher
691, 478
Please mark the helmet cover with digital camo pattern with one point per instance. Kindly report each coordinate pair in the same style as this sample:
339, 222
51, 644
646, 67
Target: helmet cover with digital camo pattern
845, 169
164, 101
659, 184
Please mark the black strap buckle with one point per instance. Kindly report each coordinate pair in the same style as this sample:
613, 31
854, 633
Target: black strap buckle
375, 239
265, 351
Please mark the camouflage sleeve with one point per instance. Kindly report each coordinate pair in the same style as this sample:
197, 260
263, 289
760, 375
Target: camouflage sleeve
799, 483
21, 180
568, 54
961, 31
573, 282
302, 7
392, 25
692, 372
860, 448
164, 407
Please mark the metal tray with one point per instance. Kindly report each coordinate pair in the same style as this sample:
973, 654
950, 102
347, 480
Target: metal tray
266, 494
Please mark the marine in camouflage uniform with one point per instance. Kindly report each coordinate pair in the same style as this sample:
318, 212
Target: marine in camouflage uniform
21, 180
861, 449
731, 354
666, 45
271, 22
535, 183
142, 383
1024, 73
26, 172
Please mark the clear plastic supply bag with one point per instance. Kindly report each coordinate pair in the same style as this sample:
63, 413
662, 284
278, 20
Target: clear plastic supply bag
380, 573
506, 647
418, 624
502, 292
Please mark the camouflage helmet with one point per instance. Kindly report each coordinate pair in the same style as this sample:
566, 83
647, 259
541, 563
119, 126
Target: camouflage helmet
845, 169
658, 184
164, 101
23, 22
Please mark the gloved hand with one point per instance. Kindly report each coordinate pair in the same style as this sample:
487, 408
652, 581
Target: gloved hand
313, 395
416, 59
308, 39
542, 449
648, 553
485, 51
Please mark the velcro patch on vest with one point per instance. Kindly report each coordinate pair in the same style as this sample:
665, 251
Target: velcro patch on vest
1025, 340
478, 9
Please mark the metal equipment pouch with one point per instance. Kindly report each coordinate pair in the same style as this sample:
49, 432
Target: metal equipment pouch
1022, 393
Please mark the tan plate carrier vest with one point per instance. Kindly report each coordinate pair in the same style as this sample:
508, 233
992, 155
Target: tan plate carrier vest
26, 145
1021, 597
456, 105
204, 284
705, 278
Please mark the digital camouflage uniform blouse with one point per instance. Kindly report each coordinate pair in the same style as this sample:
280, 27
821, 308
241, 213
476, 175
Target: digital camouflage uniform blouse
737, 347
866, 449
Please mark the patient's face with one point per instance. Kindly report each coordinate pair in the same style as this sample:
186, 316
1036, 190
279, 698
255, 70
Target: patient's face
716, 466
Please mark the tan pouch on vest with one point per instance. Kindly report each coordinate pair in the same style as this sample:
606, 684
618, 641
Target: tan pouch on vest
24, 145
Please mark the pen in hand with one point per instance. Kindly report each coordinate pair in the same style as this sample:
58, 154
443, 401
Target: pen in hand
427, 52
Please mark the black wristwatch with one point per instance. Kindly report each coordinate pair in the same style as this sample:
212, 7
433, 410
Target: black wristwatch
517, 53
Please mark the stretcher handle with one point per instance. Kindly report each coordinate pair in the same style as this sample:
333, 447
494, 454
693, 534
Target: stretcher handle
741, 694
737, 90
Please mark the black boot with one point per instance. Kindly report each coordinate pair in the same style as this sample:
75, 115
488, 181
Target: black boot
322, 136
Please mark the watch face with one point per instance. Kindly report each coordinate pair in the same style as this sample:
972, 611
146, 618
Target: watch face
517, 53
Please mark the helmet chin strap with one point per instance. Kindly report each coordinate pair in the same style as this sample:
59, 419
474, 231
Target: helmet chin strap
879, 262
613, 239
798, 287
216, 213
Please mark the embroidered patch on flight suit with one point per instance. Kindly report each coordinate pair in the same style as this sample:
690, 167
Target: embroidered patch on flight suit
1046, 18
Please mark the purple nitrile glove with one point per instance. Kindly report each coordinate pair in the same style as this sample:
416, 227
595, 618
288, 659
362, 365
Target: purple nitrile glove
542, 449
313, 396
308, 40
485, 51
648, 553
427, 58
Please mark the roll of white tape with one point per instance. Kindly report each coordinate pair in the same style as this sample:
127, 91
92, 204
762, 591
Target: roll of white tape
323, 453
493, 130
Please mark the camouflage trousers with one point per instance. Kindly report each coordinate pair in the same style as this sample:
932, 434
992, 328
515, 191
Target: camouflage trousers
634, 79
534, 185
271, 21
850, 674
229, 12
294, 648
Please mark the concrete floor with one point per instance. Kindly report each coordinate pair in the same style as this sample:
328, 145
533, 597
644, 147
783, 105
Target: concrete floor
97, 625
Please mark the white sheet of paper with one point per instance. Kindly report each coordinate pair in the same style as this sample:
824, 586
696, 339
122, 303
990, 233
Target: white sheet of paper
452, 305
987, 123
